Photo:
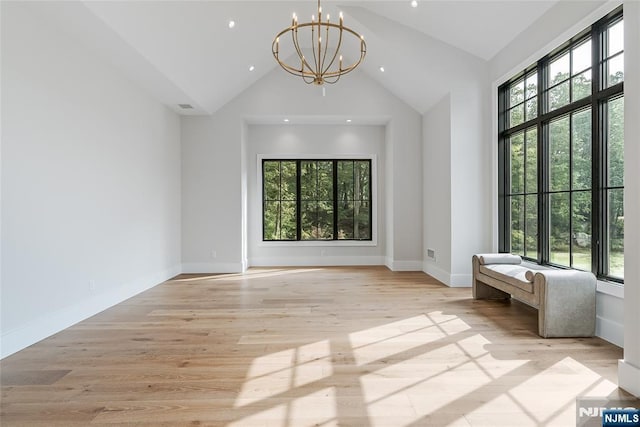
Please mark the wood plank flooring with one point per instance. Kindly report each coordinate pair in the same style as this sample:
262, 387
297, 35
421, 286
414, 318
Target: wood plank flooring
306, 347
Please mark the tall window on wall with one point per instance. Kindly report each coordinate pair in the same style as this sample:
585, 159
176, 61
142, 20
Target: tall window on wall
560, 151
309, 199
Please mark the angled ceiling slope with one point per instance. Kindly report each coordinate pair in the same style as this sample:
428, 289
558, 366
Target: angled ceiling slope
184, 52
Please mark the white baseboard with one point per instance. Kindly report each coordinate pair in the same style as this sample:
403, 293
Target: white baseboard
610, 331
451, 280
460, 281
52, 323
436, 272
316, 261
212, 267
404, 265
629, 377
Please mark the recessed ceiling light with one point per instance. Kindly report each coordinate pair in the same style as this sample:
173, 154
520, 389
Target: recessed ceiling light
348, 120
286, 120
232, 24
414, 3
251, 68
382, 69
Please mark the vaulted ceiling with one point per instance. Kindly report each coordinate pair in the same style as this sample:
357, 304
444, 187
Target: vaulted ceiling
184, 52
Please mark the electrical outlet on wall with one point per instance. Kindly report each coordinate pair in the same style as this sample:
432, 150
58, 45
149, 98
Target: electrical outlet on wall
92, 286
431, 254
214, 254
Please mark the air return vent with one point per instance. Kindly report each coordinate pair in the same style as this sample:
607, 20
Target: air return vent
186, 106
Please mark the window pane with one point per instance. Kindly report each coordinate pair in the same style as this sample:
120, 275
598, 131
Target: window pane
308, 180
288, 220
559, 229
581, 85
325, 180
316, 220
517, 225
559, 69
559, 154
531, 237
279, 221
559, 96
581, 233
271, 221
531, 107
345, 220
362, 172
532, 85
615, 38
288, 186
581, 57
345, 181
271, 179
581, 140
516, 115
531, 183
516, 92
517, 163
362, 218
615, 141
616, 232
615, 70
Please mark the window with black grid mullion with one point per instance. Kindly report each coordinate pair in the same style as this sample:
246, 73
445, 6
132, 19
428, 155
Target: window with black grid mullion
316, 200
279, 200
354, 204
523, 196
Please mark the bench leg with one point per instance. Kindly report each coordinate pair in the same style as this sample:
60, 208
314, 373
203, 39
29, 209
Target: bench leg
484, 291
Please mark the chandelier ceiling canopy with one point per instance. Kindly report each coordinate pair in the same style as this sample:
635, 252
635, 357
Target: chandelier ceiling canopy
324, 41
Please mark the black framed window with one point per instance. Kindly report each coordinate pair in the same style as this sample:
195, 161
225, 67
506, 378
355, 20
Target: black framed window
561, 166
316, 199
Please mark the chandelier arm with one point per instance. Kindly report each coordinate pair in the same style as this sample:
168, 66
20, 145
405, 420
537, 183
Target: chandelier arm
319, 59
276, 54
294, 38
335, 54
363, 52
324, 56
313, 47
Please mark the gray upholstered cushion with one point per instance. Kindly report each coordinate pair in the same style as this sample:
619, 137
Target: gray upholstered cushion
509, 273
499, 259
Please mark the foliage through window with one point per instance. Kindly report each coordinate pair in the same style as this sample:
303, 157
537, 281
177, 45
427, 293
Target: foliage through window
561, 161
311, 199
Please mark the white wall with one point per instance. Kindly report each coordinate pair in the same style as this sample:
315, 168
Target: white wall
629, 368
555, 27
436, 129
470, 177
213, 164
309, 141
90, 183
457, 183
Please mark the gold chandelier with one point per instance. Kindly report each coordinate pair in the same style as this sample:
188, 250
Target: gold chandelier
326, 42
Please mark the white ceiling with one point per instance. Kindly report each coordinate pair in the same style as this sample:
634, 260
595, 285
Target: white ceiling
184, 52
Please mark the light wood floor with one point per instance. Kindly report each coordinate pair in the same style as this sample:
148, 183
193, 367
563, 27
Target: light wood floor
306, 347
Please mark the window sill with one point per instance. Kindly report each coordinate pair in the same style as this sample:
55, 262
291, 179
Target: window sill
320, 243
603, 287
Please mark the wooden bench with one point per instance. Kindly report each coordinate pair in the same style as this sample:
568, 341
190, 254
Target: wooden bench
565, 299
